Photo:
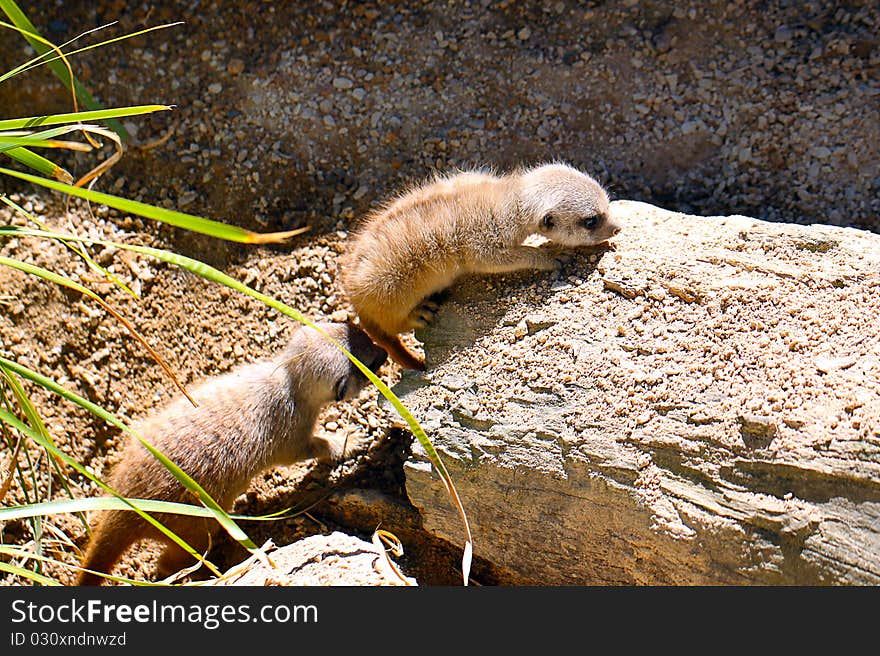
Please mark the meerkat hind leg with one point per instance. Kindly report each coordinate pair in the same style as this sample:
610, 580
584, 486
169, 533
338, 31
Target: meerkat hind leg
174, 557
422, 314
438, 298
427, 309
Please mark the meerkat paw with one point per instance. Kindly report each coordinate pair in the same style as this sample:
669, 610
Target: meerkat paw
422, 314
548, 260
356, 446
348, 447
550, 257
562, 258
551, 262
335, 449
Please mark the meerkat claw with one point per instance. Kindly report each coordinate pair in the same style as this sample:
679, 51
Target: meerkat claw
423, 314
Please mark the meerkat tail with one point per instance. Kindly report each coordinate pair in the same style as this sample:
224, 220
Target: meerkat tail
87, 578
108, 542
391, 343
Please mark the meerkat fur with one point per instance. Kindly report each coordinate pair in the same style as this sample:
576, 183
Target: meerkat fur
419, 243
258, 416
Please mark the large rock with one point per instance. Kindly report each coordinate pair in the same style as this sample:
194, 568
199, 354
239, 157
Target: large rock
700, 405
335, 559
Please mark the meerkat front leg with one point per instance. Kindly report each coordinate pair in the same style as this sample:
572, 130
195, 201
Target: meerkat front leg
517, 259
334, 449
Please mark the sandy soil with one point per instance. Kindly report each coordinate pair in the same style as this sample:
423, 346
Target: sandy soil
289, 116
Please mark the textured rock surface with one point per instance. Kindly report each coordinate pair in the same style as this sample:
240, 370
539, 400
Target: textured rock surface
700, 405
335, 559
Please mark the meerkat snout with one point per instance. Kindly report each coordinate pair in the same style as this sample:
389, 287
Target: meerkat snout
330, 375
567, 206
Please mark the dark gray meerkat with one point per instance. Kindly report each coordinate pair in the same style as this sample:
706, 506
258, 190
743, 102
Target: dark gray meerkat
258, 416
418, 244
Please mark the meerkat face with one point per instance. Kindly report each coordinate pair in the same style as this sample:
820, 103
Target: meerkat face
323, 371
567, 206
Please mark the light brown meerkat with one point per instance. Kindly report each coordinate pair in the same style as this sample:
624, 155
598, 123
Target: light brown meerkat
258, 416
419, 243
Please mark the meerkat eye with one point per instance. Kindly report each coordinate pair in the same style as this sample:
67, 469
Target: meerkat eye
591, 222
547, 221
341, 387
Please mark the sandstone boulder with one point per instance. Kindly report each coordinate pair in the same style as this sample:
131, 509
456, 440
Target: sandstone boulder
700, 405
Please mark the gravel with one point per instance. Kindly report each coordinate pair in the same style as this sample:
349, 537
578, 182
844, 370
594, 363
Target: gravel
285, 110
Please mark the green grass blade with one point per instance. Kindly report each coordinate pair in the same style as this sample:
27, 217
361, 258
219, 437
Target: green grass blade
27, 574
77, 117
45, 59
16, 552
171, 217
66, 506
12, 138
184, 479
8, 143
36, 61
43, 46
50, 276
100, 503
45, 134
39, 163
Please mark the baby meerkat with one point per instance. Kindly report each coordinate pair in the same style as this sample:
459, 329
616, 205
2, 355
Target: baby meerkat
256, 417
418, 244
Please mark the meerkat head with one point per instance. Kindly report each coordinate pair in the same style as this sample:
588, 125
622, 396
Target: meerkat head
566, 206
322, 371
